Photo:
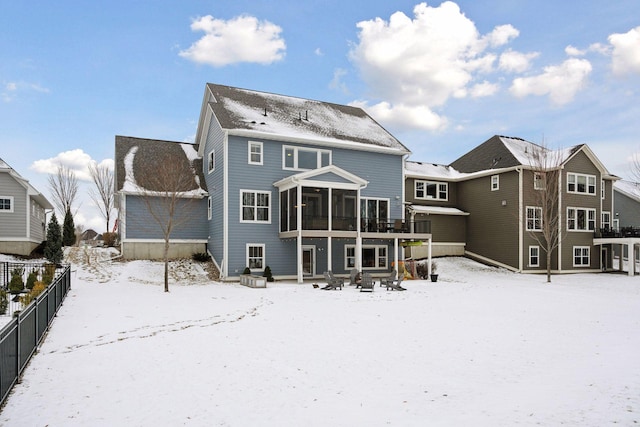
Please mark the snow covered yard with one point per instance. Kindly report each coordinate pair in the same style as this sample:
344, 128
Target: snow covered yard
482, 346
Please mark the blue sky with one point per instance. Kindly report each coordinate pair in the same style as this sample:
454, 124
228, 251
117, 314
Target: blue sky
442, 77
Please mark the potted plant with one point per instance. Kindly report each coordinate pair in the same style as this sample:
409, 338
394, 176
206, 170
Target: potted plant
434, 269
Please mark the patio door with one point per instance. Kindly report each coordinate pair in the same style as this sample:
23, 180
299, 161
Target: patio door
604, 259
308, 260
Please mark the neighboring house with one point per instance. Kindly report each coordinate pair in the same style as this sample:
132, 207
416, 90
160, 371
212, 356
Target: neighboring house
139, 165
490, 194
301, 186
22, 213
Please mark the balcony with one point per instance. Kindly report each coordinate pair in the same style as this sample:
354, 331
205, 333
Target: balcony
604, 233
367, 225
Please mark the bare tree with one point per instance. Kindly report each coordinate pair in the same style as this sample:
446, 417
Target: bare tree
64, 188
169, 192
103, 194
544, 222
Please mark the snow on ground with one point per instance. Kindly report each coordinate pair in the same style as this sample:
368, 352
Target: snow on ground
482, 347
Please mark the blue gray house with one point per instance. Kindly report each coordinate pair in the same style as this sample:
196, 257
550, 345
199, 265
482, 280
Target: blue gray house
298, 185
301, 186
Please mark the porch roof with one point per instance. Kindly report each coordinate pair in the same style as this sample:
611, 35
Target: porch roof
437, 210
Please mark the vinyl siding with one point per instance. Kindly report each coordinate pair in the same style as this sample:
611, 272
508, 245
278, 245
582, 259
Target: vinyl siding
13, 224
580, 163
38, 225
141, 225
215, 184
628, 210
384, 173
410, 195
492, 229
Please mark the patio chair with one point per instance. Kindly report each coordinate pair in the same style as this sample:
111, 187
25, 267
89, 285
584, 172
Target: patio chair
392, 276
353, 278
396, 285
333, 283
367, 283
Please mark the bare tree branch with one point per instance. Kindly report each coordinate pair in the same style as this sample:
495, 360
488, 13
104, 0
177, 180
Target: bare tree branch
103, 193
169, 191
64, 188
546, 167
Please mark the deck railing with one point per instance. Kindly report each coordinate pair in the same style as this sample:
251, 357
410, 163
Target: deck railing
369, 225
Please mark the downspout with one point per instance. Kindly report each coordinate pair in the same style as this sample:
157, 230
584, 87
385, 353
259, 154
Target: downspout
560, 221
225, 206
520, 219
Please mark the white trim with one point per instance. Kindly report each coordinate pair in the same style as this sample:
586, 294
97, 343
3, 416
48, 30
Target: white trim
377, 256
575, 183
11, 204
264, 255
424, 190
312, 248
225, 207
575, 219
573, 255
296, 149
249, 152
211, 161
537, 209
209, 208
255, 220
529, 264
495, 186
162, 240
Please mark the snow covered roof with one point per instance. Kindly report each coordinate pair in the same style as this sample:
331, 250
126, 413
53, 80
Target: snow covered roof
628, 188
139, 160
437, 210
267, 115
431, 170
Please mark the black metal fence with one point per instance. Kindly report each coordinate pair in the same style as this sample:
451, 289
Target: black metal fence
21, 336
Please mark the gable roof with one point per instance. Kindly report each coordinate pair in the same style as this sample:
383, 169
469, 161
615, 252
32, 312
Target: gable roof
307, 177
628, 188
137, 158
31, 190
272, 116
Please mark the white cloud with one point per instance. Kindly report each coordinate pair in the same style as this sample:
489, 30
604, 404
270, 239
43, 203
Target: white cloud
574, 51
337, 83
400, 115
516, 62
318, 52
76, 160
559, 82
626, 52
483, 89
421, 62
11, 89
241, 39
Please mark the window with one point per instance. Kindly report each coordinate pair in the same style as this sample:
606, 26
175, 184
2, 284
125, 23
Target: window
581, 256
534, 256
209, 208
373, 257
6, 204
539, 181
297, 158
495, 182
255, 153
581, 184
606, 220
372, 213
211, 161
431, 190
255, 206
602, 189
255, 256
534, 218
581, 219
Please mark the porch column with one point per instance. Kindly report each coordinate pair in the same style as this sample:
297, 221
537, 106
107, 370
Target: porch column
299, 237
395, 251
299, 256
631, 256
620, 257
429, 257
329, 256
359, 252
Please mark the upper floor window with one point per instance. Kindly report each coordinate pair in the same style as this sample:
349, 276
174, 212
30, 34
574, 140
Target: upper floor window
580, 183
534, 218
606, 220
255, 153
6, 204
255, 206
209, 208
431, 190
298, 158
538, 181
495, 182
211, 161
602, 190
581, 219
